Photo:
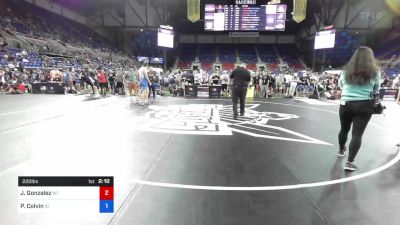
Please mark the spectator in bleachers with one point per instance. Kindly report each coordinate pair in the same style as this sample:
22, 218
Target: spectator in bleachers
111, 79
2, 78
256, 83
264, 85
398, 96
103, 81
224, 81
56, 75
279, 83
294, 80
89, 81
132, 78
271, 84
152, 79
76, 77
67, 79
396, 82
215, 79
119, 82
288, 80
3, 42
205, 77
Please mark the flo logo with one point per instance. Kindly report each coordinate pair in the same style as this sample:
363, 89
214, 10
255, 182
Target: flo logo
211, 119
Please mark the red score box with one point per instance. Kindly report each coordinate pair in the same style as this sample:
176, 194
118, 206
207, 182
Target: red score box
106, 193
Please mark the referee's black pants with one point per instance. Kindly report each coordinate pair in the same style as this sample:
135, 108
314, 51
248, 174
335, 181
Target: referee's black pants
238, 93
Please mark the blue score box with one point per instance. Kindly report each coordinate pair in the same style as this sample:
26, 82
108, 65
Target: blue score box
106, 206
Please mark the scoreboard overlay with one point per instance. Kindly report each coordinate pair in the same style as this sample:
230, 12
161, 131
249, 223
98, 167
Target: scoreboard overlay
40, 194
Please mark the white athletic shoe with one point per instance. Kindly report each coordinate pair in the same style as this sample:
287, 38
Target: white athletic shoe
350, 167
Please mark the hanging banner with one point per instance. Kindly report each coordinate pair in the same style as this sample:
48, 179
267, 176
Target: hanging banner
394, 5
299, 10
193, 10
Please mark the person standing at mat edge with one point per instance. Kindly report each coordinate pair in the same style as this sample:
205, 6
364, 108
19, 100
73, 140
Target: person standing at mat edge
239, 82
359, 80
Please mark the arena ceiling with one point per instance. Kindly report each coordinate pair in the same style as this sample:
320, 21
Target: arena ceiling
88, 6
176, 11
173, 12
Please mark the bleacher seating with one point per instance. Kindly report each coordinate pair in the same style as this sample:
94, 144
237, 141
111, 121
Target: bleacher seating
345, 45
38, 22
145, 44
391, 48
227, 54
206, 66
272, 66
207, 53
393, 71
251, 67
267, 54
247, 54
34, 30
228, 66
183, 65
188, 54
389, 53
289, 56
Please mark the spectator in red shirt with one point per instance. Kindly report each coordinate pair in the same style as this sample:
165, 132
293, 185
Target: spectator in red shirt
21, 87
17, 89
103, 81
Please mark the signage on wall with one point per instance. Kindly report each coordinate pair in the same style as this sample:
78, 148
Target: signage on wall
366, 15
244, 34
246, 2
255, 2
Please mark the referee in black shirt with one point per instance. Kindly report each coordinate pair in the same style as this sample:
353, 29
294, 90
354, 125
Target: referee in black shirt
239, 82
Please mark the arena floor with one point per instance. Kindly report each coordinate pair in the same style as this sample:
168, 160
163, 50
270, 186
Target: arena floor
185, 161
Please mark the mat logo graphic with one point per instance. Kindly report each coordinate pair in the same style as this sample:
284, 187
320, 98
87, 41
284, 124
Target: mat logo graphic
212, 119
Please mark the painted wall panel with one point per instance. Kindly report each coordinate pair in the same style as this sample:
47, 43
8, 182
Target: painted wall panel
205, 38
187, 38
221, 38
267, 39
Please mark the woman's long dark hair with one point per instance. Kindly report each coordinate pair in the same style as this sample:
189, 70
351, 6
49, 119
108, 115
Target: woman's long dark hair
362, 67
